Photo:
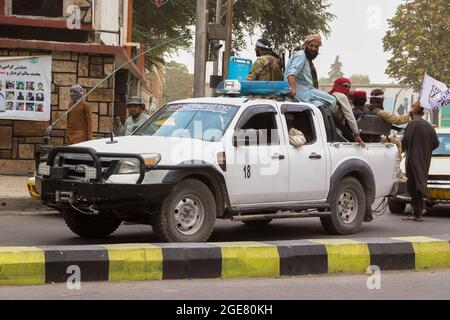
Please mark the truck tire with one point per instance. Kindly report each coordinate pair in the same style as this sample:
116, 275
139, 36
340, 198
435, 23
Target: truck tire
396, 207
188, 214
257, 223
90, 226
348, 207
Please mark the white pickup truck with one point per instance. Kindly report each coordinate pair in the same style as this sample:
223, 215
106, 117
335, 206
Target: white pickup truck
199, 160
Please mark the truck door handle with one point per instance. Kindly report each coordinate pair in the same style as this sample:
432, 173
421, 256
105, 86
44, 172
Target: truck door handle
277, 156
315, 156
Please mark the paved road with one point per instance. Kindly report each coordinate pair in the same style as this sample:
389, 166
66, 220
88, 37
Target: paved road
49, 229
394, 285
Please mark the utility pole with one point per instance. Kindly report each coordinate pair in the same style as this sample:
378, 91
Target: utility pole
218, 21
201, 43
229, 36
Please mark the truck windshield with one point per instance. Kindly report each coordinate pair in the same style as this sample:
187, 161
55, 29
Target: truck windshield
444, 146
202, 121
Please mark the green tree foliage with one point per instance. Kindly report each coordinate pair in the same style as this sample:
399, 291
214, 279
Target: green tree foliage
178, 82
419, 41
284, 22
335, 70
360, 79
334, 73
166, 27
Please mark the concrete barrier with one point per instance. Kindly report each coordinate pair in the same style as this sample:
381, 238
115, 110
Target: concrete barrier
139, 262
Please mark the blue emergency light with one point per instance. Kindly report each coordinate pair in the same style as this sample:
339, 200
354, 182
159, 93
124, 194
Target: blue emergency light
235, 87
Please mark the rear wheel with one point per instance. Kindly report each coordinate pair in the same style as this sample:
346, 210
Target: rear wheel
396, 207
90, 226
348, 208
188, 214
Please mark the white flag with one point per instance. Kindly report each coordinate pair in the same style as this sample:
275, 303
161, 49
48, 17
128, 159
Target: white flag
434, 93
441, 102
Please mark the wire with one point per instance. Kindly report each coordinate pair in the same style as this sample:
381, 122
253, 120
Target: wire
381, 209
91, 213
48, 131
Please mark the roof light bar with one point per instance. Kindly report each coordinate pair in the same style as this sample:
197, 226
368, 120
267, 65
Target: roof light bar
253, 87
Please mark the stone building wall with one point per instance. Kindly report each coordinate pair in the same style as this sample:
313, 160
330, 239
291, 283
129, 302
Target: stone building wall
18, 139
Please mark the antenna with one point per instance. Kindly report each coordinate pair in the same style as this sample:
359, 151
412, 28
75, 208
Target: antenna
112, 138
48, 131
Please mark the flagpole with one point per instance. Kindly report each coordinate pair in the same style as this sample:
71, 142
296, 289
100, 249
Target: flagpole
421, 86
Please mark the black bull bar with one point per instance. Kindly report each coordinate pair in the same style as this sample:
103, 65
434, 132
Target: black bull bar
96, 158
104, 194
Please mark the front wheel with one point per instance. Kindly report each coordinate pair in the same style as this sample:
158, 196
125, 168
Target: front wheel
188, 214
348, 207
90, 226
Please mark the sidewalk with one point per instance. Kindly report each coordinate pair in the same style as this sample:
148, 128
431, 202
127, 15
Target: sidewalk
14, 195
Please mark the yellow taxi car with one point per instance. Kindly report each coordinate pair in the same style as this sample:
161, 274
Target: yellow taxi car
438, 191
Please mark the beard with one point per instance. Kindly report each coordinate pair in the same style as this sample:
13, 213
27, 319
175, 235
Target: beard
311, 55
75, 97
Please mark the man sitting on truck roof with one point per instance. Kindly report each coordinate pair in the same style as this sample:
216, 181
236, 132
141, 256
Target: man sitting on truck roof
268, 66
302, 75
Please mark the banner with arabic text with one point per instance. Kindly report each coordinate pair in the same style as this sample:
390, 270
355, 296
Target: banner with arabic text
25, 88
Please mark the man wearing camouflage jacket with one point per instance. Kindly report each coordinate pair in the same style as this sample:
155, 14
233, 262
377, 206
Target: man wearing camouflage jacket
267, 67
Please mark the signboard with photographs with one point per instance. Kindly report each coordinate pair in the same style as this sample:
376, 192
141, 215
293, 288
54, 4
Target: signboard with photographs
25, 88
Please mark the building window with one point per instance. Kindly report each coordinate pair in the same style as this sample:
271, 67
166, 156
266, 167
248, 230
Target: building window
42, 8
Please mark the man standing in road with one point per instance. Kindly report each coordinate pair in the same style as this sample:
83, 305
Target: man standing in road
135, 108
419, 141
302, 75
79, 120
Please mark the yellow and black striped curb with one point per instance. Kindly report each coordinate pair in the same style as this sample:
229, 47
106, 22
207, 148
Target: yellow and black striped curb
128, 262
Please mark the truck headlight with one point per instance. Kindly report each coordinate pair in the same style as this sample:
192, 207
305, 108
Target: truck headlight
128, 166
133, 165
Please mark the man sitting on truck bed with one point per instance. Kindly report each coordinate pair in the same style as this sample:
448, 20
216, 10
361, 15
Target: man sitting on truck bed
376, 108
343, 113
359, 100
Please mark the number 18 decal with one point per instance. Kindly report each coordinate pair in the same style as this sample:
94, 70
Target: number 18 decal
247, 172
